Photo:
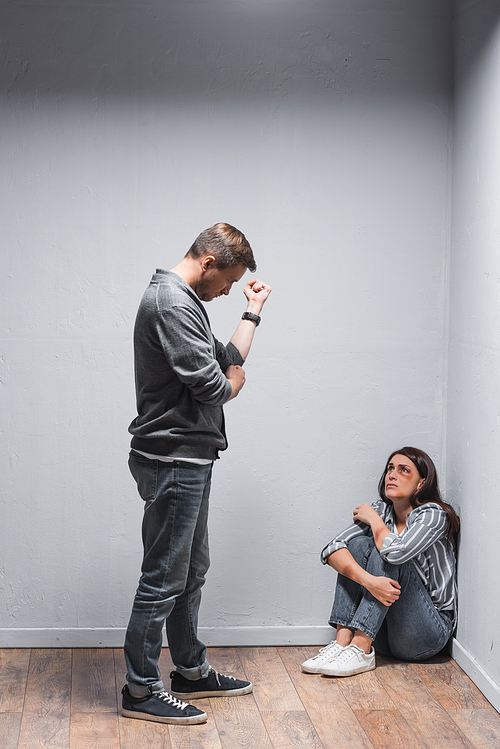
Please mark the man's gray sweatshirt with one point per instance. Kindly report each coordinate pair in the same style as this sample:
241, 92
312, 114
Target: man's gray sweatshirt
179, 374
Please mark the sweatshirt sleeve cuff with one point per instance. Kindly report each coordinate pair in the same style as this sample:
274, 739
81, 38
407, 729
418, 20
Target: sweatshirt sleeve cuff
234, 354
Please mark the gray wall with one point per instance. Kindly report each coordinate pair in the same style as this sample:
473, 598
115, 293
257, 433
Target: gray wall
473, 435
320, 129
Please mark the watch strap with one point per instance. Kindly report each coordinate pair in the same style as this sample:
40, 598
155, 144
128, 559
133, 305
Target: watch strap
252, 317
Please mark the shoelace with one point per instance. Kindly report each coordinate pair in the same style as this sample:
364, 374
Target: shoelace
217, 674
171, 700
324, 650
346, 654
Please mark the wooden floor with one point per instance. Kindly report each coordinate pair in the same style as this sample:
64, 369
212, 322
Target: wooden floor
60, 698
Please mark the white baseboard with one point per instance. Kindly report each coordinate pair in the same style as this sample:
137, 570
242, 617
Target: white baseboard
212, 636
474, 671
262, 636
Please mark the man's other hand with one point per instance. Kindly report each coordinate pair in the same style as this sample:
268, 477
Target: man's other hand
236, 376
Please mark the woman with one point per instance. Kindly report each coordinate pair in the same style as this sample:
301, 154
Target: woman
396, 588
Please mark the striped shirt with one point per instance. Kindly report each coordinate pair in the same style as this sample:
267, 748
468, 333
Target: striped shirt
423, 541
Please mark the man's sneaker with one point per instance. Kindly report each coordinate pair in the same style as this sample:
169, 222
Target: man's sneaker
213, 685
352, 660
316, 663
160, 707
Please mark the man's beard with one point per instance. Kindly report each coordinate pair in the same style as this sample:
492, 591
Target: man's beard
201, 291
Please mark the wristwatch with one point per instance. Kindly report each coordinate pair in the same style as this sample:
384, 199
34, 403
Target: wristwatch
252, 317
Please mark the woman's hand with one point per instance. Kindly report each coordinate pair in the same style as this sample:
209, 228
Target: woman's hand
384, 589
366, 514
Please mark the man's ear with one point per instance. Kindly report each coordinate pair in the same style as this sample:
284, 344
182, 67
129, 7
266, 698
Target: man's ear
207, 262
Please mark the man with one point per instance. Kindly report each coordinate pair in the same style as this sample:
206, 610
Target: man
183, 378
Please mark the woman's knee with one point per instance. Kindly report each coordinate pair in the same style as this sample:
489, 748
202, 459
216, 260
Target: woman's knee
361, 547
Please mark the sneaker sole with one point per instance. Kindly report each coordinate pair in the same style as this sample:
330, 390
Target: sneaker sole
360, 670
312, 669
215, 693
190, 720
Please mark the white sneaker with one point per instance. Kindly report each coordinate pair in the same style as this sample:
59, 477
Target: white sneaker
315, 664
352, 660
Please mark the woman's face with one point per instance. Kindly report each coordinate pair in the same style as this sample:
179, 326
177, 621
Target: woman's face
402, 478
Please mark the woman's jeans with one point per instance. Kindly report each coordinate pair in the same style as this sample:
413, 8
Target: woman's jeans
411, 629
176, 559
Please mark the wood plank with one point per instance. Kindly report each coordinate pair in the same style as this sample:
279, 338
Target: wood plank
272, 686
136, 734
430, 722
98, 730
14, 664
387, 729
291, 730
365, 692
93, 687
46, 714
239, 723
332, 717
237, 719
450, 685
482, 727
10, 728
202, 736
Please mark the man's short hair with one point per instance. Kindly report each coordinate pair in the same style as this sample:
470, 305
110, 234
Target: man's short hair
228, 245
